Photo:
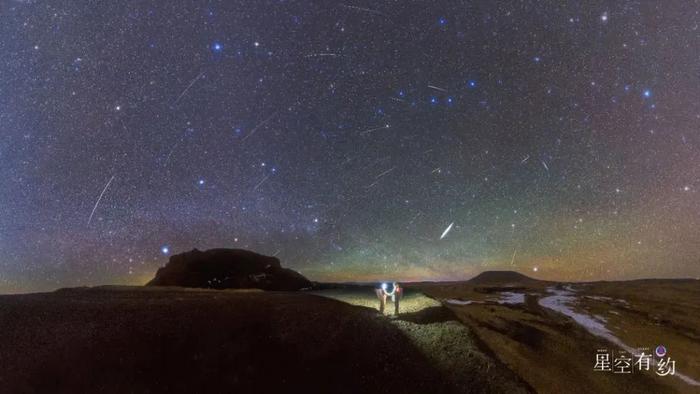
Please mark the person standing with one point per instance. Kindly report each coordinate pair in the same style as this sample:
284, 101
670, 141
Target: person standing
396, 294
381, 294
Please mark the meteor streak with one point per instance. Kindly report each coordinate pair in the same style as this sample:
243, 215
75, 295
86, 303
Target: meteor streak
188, 87
99, 199
259, 126
437, 88
447, 230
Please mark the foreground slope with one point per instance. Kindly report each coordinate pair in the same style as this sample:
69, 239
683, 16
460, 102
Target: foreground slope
156, 340
549, 333
448, 344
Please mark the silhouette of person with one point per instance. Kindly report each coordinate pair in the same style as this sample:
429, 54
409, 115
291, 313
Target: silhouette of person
396, 294
381, 294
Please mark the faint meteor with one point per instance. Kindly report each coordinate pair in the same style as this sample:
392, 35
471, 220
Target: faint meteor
526, 158
372, 184
415, 217
324, 54
545, 166
188, 87
167, 159
447, 230
397, 99
361, 9
512, 260
99, 199
438, 170
261, 182
385, 172
386, 126
259, 126
437, 88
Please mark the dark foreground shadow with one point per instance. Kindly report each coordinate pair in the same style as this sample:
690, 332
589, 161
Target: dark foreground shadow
179, 341
433, 314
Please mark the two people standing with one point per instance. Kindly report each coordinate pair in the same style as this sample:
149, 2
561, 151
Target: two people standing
396, 293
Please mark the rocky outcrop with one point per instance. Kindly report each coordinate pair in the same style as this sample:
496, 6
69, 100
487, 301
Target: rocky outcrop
228, 269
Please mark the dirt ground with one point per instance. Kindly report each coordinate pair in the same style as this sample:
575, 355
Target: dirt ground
174, 340
554, 353
137, 340
442, 339
460, 338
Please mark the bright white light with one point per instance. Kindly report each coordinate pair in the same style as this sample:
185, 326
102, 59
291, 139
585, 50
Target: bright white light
165, 249
384, 286
447, 230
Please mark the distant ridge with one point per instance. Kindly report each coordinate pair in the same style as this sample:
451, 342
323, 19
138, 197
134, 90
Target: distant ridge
502, 278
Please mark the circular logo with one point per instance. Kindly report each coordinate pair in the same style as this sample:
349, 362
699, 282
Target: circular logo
660, 351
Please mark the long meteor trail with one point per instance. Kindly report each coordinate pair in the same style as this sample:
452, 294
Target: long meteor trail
447, 230
261, 124
99, 199
188, 87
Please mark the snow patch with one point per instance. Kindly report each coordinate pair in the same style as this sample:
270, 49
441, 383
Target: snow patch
509, 297
561, 302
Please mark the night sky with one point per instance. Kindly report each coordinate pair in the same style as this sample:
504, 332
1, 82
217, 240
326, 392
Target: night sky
355, 141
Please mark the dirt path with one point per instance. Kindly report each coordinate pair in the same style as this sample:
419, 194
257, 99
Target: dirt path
443, 340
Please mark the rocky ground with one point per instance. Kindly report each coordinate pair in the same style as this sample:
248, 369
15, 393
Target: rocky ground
442, 339
175, 340
548, 333
497, 334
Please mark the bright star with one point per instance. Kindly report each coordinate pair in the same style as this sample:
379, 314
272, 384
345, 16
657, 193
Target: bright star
165, 249
217, 47
647, 93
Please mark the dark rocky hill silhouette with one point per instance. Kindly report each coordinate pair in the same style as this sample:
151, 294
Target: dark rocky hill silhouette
228, 269
502, 278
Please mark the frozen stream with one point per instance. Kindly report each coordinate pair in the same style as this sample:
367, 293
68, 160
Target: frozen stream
562, 300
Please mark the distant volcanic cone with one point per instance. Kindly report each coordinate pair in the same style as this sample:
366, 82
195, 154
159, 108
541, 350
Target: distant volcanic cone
502, 278
228, 269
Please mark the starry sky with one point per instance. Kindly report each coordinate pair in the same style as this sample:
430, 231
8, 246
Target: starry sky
356, 141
